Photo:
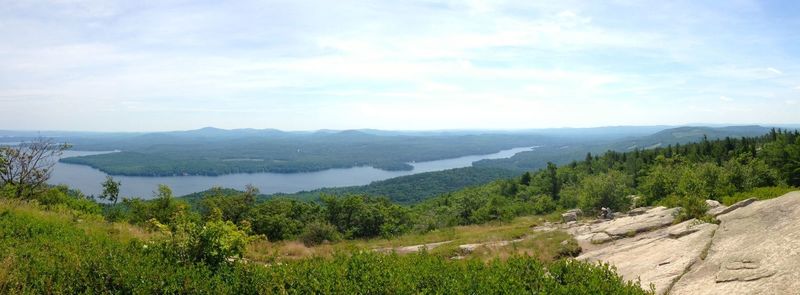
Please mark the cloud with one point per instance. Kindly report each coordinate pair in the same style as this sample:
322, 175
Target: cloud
774, 70
176, 62
791, 102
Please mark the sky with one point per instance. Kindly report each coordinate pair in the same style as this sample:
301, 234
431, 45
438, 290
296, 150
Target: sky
107, 65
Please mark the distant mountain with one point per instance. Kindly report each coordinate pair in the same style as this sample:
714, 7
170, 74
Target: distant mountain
687, 134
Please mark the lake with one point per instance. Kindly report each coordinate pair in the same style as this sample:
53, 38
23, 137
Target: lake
88, 179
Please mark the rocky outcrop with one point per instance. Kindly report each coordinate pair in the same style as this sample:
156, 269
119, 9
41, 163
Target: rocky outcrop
627, 226
659, 257
721, 209
756, 250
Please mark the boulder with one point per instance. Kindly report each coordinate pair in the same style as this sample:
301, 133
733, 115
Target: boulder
756, 250
577, 211
569, 216
712, 204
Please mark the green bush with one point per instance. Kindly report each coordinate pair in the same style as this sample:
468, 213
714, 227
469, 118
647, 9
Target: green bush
569, 248
691, 207
317, 233
211, 243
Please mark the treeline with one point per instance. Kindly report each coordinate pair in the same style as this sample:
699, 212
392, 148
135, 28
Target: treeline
414, 188
681, 175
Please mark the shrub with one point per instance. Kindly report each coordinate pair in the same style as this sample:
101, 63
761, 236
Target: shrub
569, 248
211, 243
543, 204
691, 207
317, 233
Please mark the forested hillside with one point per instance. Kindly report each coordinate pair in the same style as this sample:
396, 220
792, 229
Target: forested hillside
570, 151
414, 188
215, 152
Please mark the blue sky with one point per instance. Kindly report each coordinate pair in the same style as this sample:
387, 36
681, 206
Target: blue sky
302, 65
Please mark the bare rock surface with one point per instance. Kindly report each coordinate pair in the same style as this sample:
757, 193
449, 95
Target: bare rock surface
659, 257
652, 219
756, 250
469, 248
588, 234
412, 249
721, 209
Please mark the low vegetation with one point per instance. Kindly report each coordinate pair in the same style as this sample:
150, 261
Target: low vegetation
55, 252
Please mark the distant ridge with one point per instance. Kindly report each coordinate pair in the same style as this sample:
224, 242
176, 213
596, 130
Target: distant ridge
687, 134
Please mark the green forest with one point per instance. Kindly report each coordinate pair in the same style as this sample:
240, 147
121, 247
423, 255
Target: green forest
164, 155
416, 187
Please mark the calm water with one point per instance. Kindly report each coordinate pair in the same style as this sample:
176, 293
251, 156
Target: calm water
88, 179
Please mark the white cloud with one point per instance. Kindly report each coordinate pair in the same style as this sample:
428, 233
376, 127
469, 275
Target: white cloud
551, 60
791, 102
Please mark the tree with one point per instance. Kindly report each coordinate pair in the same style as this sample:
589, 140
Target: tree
553, 182
250, 194
526, 179
110, 190
27, 166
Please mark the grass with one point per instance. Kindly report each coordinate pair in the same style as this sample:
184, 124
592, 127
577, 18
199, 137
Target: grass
91, 224
541, 245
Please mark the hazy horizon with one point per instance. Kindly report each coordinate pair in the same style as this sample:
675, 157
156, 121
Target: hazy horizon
425, 65
713, 125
